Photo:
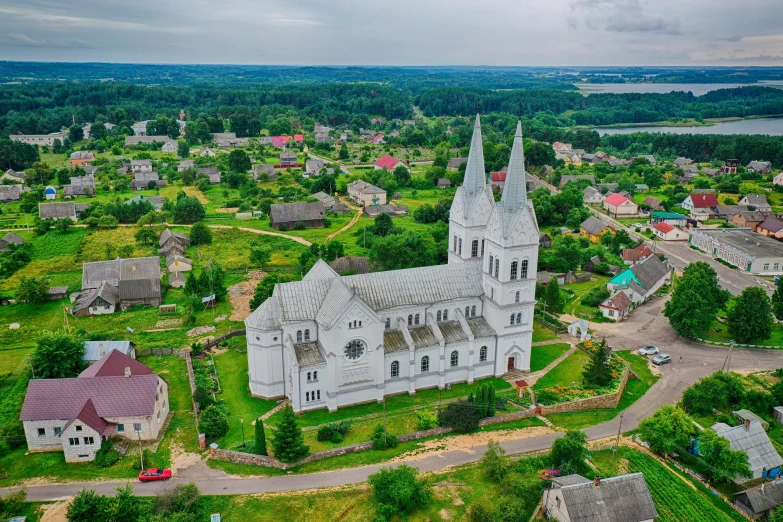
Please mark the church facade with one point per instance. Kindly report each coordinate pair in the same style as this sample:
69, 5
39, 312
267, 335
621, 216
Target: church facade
330, 341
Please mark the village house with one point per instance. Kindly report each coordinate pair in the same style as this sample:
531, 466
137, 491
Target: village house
260, 169
115, 397
57, 210
750, 438
145, 180
624, 498
616, 307
728, 211
633, 255
143, 165
366, 194
671, 218
680, 161
593, 228
498, 179
170, 146
172, 243
618, 205
206, 152
10, 192
178, 263
389, 163
155, 201
81, 157
591, 196
758, 201
177, 279
137, 140
87, 129
590, 264
700, 201
641, 280
229, 139
185, 164
42, 140
771, 227
391, 210
352, 264
313, 166
544, 241
97, 350
210, 172
288, 159
760, 167
288, 216
454, 163
778, 179
136, 281
12, 176
749, 219
444, 183
666, 232
741, 247
80, 186
10, 240
760, 501
57, 293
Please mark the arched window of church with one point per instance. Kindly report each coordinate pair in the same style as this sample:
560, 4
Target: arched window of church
454, 359
467, 311
307, 335
425, 364
459, 250
516, 297
473, 311
514, 267
524, 269
308, 376
482, 248
299, 336
483, 353
315, 376
307, 396
497, 267
319, 395
445, 315
511, 323
455, 243
474, 248
410, 319
439, 315
395, 369
388, 323
491, 260
416, 319
519, 318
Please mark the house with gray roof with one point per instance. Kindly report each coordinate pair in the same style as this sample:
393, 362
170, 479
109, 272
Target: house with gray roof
760, 501
287, 216
324, 198
172, 243
262, 168
12, 176
759, 201
155, 201
355, 264
144, 180
641, 280
97, 350
10, 192
392, 210
329, 341
134, 281
365, 194
760, 167
592, 196
313, 166
117, 396
211, 172
57, 210
576, 177
454, 163
750, 438
185, 164
10, 240
624, 498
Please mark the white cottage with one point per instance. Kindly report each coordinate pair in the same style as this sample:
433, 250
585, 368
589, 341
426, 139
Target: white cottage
331, 341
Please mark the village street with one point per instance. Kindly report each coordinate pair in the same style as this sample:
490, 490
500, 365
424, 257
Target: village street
645, 326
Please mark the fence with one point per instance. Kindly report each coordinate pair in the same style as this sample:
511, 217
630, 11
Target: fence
146, 352
217, 340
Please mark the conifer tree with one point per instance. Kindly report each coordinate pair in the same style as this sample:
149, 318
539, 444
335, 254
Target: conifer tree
481, 400
597, 370
491, 402
288, 441
260, 438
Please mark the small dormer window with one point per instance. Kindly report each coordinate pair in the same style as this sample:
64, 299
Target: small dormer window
78, 428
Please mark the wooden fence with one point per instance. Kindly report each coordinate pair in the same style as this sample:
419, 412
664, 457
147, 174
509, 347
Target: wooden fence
217, 340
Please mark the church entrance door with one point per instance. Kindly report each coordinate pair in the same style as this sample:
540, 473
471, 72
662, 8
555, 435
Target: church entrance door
510, 363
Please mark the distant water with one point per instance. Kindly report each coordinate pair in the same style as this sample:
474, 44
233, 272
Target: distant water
772, 126
661, 88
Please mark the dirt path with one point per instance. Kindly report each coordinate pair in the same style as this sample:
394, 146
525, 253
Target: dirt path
261, 232
194, 192
242, 293
349, 225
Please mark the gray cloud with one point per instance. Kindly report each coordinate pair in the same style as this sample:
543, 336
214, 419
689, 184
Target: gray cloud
623, 16
25, 41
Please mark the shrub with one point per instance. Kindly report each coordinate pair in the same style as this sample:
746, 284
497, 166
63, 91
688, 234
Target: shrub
180, 499
426, 419
337, 437
327, 431
460, 416
398, 492
213, 422
492, 462
300, 225
382, 440
595, 296
107, 455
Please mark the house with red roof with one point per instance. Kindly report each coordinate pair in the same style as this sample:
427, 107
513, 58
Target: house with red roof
703, 201
619, 205
667, 232
633, 255
299, 138
498, 179
116, 397
280, 141
389, 163
616, 307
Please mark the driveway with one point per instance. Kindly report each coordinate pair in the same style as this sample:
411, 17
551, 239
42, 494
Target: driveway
645, 326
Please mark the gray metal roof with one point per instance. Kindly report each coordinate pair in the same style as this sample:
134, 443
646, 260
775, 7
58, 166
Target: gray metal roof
569, 480
745, 241
92, 349
763, 497
146, 177
756, 200
167, 235
324, 198
392, 210
105, 291
422, 336
56, 210
365, 188
480, 327
140, 289
56, 290
11, 238
617, 499
93, 274
394, 341
337, 299
650, 270
452, 331
266, 316
754, 442
309, 354
134, 268
293, 212
595, 226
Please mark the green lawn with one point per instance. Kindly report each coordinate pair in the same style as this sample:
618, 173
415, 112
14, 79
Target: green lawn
568, 371
719, 333
575, 306
542, 333
542, 356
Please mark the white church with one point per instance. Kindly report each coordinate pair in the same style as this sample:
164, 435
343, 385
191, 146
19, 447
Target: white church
331, 341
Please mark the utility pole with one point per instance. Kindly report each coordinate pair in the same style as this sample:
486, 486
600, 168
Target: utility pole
619, 429
141, 451
242, 423
727, 362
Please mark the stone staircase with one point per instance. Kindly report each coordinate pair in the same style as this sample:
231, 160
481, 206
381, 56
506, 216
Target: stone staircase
515, 375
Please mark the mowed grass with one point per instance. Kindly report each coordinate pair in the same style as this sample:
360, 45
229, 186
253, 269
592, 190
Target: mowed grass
542, 333
231, 248
568, 371
719, 333
543, 356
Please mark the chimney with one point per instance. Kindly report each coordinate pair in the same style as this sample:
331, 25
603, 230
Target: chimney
127, 371
101, 351
597, 481
747, 424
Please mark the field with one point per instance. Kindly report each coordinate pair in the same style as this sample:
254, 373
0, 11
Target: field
542, 356
565, 373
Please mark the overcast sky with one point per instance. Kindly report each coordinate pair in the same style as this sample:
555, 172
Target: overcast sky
398, 32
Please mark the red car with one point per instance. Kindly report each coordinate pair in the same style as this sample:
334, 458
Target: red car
154, 474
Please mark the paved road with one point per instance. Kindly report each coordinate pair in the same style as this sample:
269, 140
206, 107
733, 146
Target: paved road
645, 326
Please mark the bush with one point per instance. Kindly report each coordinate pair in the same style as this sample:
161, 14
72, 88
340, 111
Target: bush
327, 431
398, 492
426, 419
180, 499
107, 455
460, 416
213, 422
492, 462
337, 437
596, 296
382, 440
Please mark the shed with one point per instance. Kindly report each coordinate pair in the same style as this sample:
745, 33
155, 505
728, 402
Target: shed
747, 415
444, 183
58, 292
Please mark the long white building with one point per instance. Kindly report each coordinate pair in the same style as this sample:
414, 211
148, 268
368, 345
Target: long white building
330, 341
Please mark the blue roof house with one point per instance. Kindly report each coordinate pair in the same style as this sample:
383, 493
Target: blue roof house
50, 192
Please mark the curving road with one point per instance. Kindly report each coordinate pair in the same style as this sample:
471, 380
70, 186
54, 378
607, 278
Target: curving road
645, 326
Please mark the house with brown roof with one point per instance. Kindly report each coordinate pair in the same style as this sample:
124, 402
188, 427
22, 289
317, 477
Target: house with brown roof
616, 307
749, 219
700, 201
771, 227
633, 255
115, 397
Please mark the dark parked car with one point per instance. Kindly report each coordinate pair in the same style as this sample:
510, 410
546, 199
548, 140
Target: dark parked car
661, 359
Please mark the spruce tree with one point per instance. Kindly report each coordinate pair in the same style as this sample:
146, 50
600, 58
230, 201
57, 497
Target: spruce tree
597, 370
260, 448
552, 296
481, 400
288, 441
491, 402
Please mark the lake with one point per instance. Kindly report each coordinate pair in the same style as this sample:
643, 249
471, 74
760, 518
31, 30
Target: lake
772, 126
697, 89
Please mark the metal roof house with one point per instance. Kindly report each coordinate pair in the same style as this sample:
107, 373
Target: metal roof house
750, 437
624, 498
8, 240
96, 350
134, 281
286, 216
762, 500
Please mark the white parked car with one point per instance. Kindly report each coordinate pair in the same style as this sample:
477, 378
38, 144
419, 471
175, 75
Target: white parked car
648, 350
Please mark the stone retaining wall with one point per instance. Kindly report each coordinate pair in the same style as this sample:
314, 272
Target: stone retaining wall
610, 400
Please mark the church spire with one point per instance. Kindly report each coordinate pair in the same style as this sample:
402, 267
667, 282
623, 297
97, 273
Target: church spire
475, 176
515, 187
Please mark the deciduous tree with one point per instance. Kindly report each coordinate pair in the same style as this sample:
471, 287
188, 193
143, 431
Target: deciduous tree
750, 319
33, 290
57, 355
669, 429
724, 463
569, 452
200, 234
696, 300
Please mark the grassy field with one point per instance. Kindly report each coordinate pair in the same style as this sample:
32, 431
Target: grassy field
568, 371
541, 333
719, 333
575, 306
542, 356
